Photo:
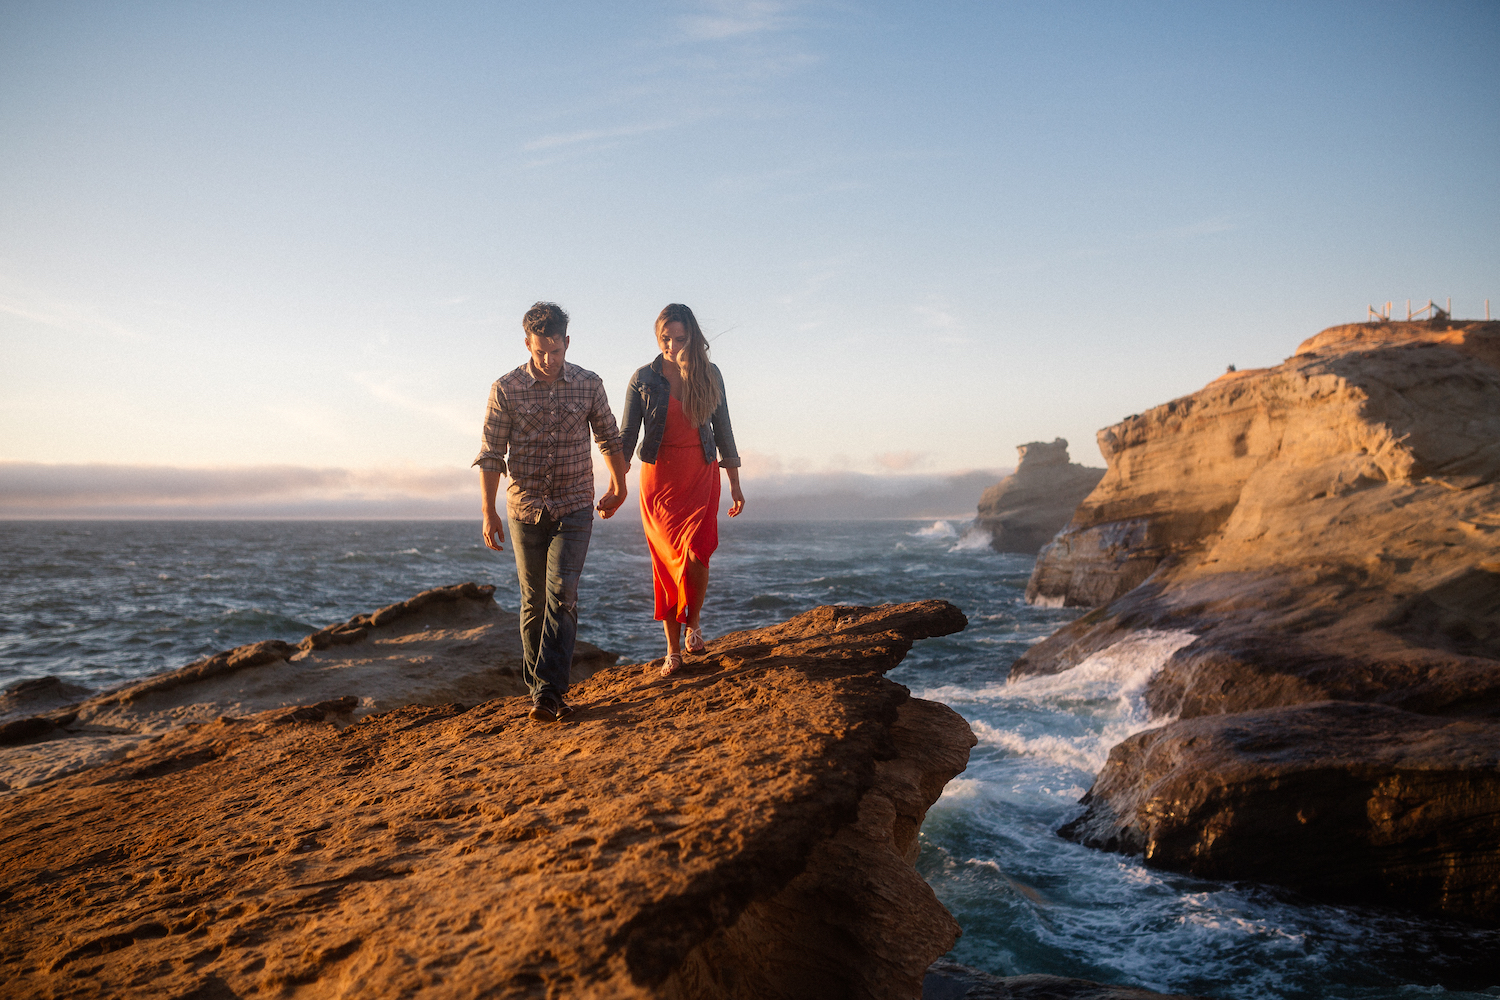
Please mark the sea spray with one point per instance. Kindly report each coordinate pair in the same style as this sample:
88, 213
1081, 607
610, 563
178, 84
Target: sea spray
1097, 703
974, 538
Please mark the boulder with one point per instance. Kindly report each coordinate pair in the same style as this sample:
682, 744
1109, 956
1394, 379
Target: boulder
744, 828
1339, 800
1024, 510
1329, 530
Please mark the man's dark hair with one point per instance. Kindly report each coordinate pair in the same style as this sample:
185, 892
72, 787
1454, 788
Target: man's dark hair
545, 319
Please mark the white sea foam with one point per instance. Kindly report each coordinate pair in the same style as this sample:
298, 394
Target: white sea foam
1081, 712
938, 529
961, 789
1043, 601
972, 539
1121, 670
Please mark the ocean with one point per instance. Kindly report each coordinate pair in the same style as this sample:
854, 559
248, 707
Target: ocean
99, 603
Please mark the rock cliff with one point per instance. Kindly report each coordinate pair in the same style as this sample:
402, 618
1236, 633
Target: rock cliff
1024, 510
743, 829
1329, 530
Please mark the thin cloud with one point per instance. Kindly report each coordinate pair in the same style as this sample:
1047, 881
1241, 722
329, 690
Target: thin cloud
561, 139
70, 318
36, 488
1203, 227
722, 21
902, 461
460, 419
39, 490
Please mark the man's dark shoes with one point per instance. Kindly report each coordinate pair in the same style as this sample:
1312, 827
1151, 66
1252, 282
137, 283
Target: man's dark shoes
563, 710
547, 709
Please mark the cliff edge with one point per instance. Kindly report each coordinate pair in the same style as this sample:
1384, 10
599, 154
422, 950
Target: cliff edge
743, 829
1329, 531
1025, 509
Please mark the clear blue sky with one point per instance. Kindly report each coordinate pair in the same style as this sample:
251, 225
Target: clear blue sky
304, 233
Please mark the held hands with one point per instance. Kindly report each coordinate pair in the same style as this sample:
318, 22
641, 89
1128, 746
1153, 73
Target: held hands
609, 503
738, 498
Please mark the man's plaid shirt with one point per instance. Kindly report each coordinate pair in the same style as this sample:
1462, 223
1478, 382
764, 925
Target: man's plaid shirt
544, 426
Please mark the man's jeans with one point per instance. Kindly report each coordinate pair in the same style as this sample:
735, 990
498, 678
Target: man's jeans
549, 559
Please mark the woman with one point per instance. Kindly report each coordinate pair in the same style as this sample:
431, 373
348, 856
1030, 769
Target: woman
679, 398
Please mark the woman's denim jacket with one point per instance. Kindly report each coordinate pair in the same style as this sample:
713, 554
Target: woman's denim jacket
646, 400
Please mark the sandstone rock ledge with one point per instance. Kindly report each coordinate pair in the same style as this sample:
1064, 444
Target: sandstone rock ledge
1329, 532
448, 644
745, 829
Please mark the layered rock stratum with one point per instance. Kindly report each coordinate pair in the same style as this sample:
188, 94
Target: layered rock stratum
1026, 509
449, 644
1329, 531
745, 828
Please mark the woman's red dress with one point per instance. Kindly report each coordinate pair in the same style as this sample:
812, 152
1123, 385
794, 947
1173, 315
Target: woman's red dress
679, 510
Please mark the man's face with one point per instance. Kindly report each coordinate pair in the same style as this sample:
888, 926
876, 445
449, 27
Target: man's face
547, 356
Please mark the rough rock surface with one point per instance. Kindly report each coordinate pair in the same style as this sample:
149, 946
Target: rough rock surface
1024, 510
948, 980
450, 644
742, 829
1329, 529
1336, 799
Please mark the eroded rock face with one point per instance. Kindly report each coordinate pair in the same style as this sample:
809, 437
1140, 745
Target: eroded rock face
1335, 799
1329, 529
1023, 511
741, 829
449, 644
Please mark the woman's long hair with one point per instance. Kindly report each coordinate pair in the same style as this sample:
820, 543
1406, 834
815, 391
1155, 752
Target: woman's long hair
700, 392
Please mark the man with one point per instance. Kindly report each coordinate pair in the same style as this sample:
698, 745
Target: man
541, 413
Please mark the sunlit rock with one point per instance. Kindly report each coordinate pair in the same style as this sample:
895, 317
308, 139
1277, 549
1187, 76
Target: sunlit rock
1329, 529
745, 828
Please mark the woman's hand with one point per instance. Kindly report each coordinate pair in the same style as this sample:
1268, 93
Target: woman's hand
608, 504
738, 498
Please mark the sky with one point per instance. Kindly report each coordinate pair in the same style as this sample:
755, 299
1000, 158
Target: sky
279, 251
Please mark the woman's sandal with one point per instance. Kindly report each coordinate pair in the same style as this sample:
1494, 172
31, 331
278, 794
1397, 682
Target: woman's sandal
670, 664
695, 640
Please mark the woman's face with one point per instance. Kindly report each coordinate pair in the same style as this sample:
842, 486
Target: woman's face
673, 340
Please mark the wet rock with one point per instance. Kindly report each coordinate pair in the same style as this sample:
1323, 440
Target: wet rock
742, 829
948, 980
1343, 801
1023, 511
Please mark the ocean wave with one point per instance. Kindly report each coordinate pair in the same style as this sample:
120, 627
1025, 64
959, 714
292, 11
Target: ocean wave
938, 529
974, 539
1072, 718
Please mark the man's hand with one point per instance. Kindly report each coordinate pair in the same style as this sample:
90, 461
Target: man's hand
494, 534
609, 503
